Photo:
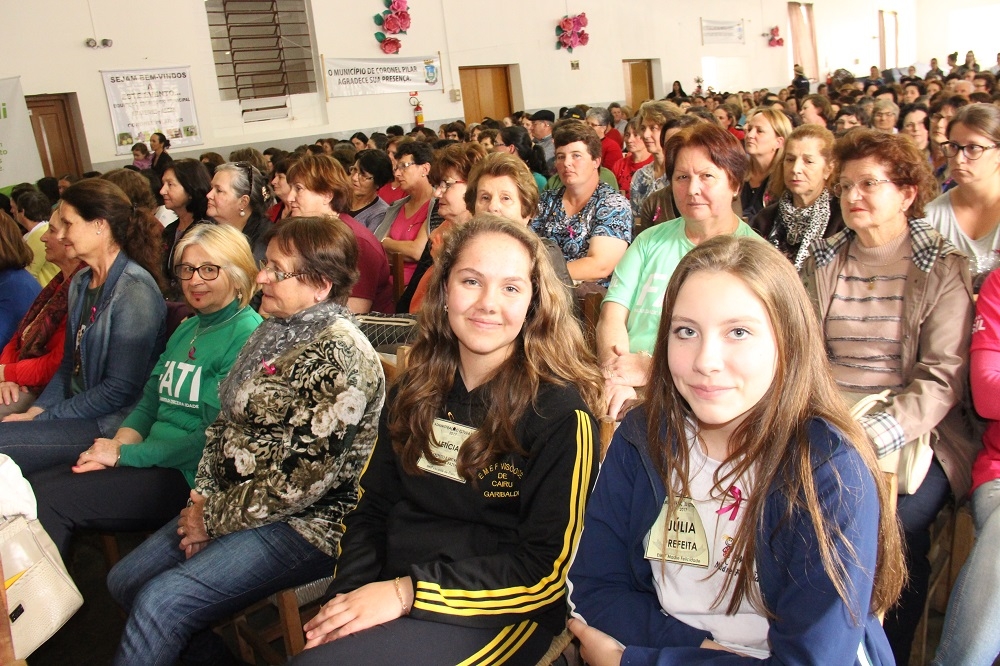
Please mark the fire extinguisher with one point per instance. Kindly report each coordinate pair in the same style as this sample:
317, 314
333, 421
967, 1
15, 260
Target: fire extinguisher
418, 115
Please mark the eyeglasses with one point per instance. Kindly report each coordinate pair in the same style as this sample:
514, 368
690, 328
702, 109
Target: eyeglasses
355, 171
275, 275
206, 271
499, 144
402, 166
867, 186
885, 114
972, 151
445, 185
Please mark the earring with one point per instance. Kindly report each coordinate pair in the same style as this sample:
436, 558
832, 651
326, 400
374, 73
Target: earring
242, 212
445, 307
98, 232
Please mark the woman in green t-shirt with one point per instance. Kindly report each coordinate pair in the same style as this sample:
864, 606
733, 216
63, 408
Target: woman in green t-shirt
142, 477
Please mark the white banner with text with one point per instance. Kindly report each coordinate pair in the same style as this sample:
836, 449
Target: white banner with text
19, 159
144, 101
348, 77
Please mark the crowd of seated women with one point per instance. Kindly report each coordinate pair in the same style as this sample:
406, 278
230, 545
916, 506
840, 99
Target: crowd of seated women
193, 367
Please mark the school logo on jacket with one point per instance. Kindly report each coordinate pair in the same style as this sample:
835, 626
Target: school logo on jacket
501, 480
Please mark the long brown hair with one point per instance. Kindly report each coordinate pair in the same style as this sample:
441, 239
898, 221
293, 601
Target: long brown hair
550, 349
773, 440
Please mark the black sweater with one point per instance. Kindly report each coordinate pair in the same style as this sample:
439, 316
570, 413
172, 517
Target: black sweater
489, 552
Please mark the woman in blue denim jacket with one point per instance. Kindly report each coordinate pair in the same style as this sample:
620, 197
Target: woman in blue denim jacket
115, 329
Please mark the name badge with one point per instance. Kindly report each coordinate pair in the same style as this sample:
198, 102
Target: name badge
680, 538
448, 439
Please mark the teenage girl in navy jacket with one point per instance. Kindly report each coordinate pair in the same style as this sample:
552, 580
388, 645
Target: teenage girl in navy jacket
738, 516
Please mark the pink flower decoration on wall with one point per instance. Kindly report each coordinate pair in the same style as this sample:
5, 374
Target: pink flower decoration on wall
570, 32
394, 20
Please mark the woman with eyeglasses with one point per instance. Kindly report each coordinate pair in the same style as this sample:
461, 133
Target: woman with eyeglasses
517, 141
449, 175
406, 224
885, 112
298, 416
895, 304
142, 476
372, 170
969, 214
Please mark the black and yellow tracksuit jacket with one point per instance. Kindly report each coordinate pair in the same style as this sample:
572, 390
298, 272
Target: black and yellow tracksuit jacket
490, 552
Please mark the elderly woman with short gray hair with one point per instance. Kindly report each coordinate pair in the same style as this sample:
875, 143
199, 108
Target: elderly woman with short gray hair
885, 113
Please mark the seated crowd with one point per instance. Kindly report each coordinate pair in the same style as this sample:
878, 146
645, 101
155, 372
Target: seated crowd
182, 354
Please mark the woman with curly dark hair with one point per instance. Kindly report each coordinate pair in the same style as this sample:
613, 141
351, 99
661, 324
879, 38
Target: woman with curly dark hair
473, 496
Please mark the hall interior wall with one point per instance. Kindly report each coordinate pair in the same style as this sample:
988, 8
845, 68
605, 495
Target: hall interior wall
44, 45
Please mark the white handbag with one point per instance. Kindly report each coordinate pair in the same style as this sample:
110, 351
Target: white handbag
41, 596
909, 463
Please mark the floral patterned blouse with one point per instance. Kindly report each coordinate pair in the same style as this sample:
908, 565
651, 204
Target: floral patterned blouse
606, 213
299, 418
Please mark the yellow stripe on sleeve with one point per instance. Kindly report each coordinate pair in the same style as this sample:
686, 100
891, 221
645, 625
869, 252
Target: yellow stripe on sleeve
432, 597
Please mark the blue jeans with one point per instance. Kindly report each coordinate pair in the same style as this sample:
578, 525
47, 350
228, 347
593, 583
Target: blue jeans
37, 445
170, 599
972, 625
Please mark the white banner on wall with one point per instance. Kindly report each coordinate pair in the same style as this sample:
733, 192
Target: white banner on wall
722, 32
348, 77
144, 101
19, 160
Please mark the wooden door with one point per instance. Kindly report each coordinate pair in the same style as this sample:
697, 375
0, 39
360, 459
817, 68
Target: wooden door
485, 92
638, 76
58, 145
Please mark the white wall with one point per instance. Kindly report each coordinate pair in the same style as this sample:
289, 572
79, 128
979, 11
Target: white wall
958, 25
45, 47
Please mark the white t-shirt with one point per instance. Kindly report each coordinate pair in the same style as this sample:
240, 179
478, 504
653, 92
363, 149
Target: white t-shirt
940, 215
689, 561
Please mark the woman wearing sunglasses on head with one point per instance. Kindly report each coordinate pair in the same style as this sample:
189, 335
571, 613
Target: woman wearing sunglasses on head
142, 476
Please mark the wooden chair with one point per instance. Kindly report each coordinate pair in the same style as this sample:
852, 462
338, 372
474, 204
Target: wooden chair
398, 277
391, 368
591, 312
296, 605
7, 657
952, 536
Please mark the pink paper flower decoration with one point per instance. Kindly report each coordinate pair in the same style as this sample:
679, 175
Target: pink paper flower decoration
391, 45
391, 24
570, 32
394, 20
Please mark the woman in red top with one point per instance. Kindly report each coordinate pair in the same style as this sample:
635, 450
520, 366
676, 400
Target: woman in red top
638, 157
33, 355
728, 115
404, 228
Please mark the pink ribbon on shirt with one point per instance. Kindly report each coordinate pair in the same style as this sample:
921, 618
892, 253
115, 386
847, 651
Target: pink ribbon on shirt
733, 508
